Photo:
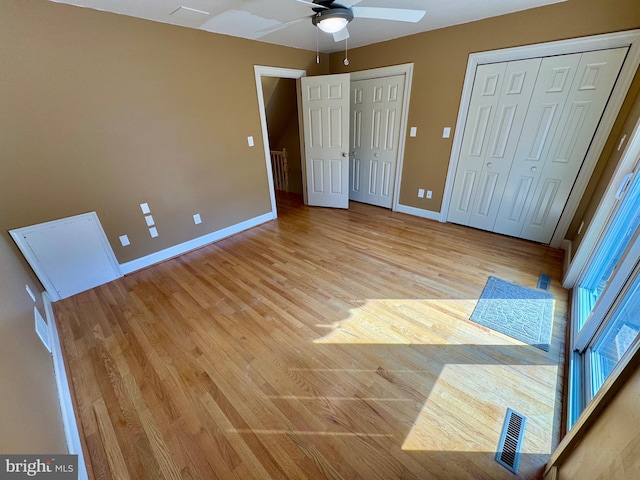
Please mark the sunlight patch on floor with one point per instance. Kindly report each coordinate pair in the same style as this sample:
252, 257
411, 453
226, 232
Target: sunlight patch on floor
404, 322
259, 431
464, 399
337, 399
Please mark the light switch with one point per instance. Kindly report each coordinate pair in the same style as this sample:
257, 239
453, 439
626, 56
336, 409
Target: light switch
149, 220
145, 208
421, 193
153, 231
429, 194
446, 133
250, 141
124, 240
413, 132
197, 219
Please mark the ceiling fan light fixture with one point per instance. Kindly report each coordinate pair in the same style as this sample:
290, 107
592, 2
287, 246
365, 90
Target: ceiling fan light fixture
332, 25
333, 20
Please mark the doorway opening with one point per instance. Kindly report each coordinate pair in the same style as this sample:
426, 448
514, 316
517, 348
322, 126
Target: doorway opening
281, 123
269, 80
283, 132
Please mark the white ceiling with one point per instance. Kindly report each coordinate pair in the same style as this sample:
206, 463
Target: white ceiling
243, 18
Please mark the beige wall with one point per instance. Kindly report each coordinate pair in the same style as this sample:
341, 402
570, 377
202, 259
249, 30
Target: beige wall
282, 105
290, 140
30, 418
440, 59
611, 447
102, 112
269, 85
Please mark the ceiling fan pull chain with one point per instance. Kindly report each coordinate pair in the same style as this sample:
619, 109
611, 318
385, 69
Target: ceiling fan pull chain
317, 46
346, 51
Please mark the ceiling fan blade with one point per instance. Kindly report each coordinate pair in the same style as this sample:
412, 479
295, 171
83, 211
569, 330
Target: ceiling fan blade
273, 28
398, 14
348, 3
314, 5
341, 35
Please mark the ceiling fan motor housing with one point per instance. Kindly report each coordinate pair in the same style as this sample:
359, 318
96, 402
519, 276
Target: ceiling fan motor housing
339, 12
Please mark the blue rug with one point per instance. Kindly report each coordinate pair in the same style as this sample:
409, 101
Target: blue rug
523, 313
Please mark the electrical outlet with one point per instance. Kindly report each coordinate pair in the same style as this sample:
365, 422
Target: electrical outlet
421, 193
153, 231
413, 131
124, 240
429, 194
149, 220
446, 133
197, 219
250, 141
145, 208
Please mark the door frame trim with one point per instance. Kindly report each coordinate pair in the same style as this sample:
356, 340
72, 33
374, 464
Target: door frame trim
278, 72
405, 69
629, 39
260, 71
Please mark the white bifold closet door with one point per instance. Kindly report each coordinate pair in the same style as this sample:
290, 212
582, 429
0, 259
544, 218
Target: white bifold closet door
499, 101
376, 109
529, 126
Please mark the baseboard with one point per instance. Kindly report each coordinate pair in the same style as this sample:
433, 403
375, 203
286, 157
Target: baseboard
71, 432
418, 212
185, 247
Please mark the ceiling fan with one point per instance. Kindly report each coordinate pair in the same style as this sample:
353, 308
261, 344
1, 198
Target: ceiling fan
333, 17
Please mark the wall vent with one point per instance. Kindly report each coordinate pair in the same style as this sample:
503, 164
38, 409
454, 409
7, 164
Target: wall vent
510, 445
544, 281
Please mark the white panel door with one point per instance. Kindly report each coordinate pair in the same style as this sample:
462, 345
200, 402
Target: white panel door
69, 255
482, 110
592, 86
375, 115
359, 108
325, 105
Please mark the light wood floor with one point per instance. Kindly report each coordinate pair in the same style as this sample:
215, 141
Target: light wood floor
325, 344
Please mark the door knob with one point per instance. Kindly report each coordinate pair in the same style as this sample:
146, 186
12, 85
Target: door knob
533, 169
345, 154
489, 165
